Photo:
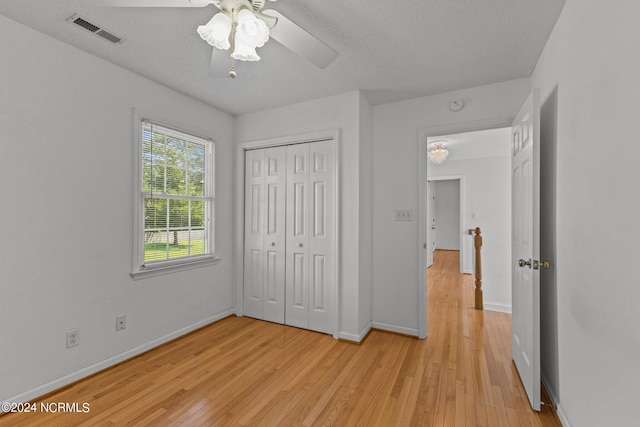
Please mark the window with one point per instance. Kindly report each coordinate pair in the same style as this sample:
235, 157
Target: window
174, 199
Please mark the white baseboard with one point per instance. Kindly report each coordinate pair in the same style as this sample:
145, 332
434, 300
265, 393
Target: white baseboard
394, 328
353, 337
562, 416
113, 360
377, 325
497, 307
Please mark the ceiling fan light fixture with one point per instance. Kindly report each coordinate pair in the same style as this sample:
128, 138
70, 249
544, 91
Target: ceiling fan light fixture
216, 32
244, 52
251, 30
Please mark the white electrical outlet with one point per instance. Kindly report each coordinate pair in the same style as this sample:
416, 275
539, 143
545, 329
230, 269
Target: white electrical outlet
73, 338
121, 323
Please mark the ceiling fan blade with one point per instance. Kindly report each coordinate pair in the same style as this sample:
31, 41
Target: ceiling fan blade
296, 39
220, 65
153, 3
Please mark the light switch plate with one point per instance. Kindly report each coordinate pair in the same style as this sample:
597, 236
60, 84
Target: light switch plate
404, 215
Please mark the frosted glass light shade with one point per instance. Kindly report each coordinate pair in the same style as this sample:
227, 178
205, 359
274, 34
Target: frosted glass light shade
243, 52
251, 31
216, 32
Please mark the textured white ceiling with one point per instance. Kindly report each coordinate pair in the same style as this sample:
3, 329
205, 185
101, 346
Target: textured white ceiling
391, 50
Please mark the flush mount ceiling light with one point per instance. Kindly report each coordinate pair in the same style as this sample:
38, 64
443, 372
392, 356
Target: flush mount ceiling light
240, 28
438, 151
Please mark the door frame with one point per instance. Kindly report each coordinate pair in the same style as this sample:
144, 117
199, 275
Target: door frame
328, 135
461, 193
422, 147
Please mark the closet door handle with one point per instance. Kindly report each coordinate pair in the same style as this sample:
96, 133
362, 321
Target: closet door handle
273, 243
299, 245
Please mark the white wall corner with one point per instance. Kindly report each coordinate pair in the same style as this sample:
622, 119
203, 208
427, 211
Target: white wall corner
348, 336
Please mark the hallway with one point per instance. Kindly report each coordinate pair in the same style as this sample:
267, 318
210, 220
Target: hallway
473, 353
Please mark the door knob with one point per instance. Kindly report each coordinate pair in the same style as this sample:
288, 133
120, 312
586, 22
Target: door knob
299, 245
273, 243
522, 263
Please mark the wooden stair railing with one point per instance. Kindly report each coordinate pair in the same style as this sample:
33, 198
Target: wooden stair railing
477, 240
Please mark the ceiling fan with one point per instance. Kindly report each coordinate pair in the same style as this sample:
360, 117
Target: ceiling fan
240, 27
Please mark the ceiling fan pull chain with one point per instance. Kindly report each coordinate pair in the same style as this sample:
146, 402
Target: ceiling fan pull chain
232, 71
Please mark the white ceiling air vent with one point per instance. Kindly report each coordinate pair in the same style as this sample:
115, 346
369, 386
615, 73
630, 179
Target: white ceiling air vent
94, 29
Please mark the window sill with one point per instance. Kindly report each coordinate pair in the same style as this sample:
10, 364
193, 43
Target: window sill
161, 271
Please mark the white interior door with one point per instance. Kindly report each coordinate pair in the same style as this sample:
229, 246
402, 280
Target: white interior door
253, 233
273, 303
322, 262
264, 257
525, 171
290, 235
431, 224
310, 265
297, 261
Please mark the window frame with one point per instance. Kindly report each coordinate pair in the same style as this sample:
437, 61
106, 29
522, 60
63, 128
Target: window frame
140, 269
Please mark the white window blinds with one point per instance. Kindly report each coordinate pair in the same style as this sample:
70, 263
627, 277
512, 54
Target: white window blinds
176, 195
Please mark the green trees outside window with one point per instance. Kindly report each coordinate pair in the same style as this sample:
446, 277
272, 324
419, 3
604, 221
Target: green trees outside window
177, 194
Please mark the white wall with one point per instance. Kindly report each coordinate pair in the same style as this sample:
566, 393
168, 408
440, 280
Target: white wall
66, 147
448, 231
366, 215
395, 135
336, 112
592, 59
487, 192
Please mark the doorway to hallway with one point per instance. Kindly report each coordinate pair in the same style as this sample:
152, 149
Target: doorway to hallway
444, 217
479, 157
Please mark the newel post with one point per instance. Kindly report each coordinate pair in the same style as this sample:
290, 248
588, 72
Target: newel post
477, 240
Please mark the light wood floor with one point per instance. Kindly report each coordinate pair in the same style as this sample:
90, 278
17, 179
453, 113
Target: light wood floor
244, 372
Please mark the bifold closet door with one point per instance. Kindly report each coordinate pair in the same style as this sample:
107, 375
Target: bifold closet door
310, 258
264, 246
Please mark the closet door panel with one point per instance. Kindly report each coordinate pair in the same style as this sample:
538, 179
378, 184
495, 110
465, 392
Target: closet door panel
254, 233
290, 226
319, 285
274, 234
321, 244
297, 213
